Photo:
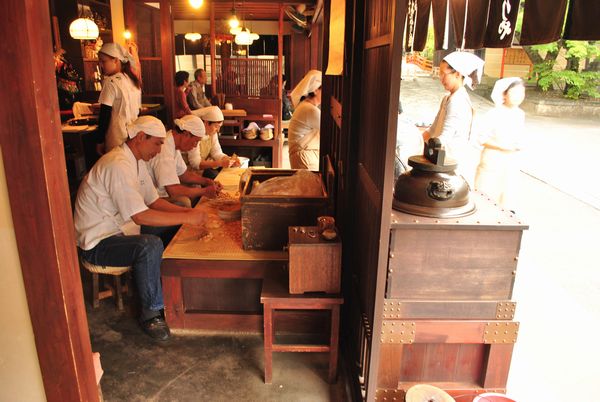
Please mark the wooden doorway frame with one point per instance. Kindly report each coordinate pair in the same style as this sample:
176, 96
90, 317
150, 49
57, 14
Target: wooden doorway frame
34, 162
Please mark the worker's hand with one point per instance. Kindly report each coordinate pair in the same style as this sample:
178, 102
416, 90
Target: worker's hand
218, 185
209, 191
197, 217
235, 163
225, 162
426, 135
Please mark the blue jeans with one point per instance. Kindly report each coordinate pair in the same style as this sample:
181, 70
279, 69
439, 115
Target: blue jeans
144, 254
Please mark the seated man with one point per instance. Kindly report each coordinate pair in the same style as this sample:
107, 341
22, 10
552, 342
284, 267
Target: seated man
196, 97
168, 170
114, 200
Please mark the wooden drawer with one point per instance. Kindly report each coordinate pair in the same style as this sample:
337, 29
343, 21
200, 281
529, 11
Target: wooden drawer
315, 264
467, 355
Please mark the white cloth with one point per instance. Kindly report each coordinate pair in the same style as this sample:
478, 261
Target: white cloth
81, 108
211, 114
209, 142
468, 65
117, 51
310, 83
148, 125
117, 187
304, 136
497, 171
166, 167
500, 88
193, 124
120, 93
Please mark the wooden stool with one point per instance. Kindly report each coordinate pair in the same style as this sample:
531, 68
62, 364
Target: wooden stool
275, 296
118, 289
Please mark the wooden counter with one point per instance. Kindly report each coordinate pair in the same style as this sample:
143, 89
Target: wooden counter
215, 284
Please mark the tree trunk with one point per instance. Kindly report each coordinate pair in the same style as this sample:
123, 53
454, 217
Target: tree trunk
534, 55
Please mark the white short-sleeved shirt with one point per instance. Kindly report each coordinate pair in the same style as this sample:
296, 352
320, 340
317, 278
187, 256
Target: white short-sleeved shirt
117, 187
120, 93
216, 152
166, 167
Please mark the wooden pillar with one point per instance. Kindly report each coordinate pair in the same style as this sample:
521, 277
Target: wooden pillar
39, 201
213, 50
167, 51
280, 68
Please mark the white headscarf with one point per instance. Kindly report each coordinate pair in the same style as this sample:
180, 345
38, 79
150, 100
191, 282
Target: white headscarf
193, 124
468, 65
148, 125
500, 87
117, 51
210, 114
310, 83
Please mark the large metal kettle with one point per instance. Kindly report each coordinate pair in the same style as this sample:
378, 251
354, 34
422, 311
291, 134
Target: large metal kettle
432, 188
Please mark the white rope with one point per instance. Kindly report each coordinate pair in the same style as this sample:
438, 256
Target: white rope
462, 45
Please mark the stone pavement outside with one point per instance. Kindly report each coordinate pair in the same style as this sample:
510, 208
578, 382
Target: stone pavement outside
557, 285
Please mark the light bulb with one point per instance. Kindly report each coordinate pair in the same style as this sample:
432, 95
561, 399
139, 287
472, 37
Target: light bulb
127, 34
196, 3
236, 30
193, 36
234, 22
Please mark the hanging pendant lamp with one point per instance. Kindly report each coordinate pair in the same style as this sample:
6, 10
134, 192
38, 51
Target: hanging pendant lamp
196, 3
84, 29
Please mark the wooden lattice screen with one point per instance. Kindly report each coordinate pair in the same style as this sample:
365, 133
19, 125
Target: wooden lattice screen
247, 77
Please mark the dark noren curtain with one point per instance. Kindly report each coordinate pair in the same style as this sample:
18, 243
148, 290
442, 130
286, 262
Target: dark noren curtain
583, 20
542, 21
501, 23
476, 22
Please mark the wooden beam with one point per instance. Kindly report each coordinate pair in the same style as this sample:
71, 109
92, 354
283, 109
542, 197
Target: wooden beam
280, 68
39, 200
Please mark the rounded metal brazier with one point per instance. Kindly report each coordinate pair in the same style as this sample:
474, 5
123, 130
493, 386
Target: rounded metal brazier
432, 188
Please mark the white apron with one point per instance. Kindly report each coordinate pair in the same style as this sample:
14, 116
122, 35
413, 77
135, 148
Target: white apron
125, 109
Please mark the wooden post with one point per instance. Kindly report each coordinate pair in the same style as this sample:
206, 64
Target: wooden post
167, 47
213, 50
280, 70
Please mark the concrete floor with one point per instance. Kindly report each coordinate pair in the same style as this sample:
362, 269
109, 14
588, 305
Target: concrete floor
195, 368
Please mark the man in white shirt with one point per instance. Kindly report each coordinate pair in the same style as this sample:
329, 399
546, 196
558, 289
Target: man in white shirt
114, 200
168, 170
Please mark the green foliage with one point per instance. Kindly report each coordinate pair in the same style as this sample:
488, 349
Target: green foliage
573, 83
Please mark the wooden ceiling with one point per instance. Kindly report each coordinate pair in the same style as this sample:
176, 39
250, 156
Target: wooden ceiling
255, 10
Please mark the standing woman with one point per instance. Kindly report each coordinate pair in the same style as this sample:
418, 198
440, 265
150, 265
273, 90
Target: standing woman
304, 130
452, 125
121, 96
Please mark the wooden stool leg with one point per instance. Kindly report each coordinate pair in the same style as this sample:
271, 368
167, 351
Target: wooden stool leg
333, 343
118, 292
95, 291
268, 334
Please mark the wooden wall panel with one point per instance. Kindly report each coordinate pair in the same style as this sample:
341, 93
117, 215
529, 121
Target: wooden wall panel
39, 200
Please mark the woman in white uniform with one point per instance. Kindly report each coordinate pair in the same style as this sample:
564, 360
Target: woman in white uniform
208, 155
452, 125
304, 130
121, 96
501, 141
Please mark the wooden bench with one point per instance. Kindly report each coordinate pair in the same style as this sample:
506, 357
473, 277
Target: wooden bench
275, 296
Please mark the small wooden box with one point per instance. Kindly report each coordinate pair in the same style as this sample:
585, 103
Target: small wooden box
315, 263
265, 219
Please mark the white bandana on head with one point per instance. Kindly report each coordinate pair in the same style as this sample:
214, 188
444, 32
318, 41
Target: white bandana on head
117, 51
211, 114
193, 124
148, 125
500, 87
310, 83
468, 65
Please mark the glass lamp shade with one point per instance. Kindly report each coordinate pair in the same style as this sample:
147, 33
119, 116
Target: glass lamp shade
243, 38
84, 29
193, 36
236, 30
254, 36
